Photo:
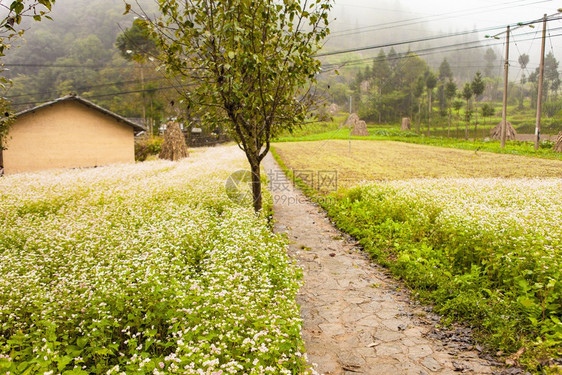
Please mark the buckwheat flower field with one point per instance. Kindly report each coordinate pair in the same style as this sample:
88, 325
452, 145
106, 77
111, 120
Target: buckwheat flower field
487, 251
145, 268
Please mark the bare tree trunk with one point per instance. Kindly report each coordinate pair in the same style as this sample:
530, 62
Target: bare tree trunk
256, 187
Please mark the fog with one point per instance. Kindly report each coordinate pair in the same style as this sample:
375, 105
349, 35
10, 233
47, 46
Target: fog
364, 23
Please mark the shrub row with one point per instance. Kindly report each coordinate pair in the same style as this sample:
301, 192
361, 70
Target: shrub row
486, 251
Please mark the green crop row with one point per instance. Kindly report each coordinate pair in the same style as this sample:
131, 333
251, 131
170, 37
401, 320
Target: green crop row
485, 251
145, 268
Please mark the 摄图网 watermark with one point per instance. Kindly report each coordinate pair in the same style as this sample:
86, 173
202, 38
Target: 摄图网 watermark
238, 185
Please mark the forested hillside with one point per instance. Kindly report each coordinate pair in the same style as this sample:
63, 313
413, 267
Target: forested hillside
76, 53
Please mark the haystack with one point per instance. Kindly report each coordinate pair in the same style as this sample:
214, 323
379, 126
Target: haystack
351, 120
359, 127
174, 146
333, 109
558, 143
405, 124
510, 132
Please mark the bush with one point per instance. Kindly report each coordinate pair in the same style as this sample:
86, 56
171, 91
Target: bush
552, 108
147, 145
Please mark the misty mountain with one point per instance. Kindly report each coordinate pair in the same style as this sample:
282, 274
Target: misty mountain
76, 24
390, 25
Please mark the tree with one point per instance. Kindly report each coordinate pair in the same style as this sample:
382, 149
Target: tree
381, 73
450, 93
445, 71
17, 10
487, 110
551, 75
523, 60
249, 63
430, 83
490, 57
135, 43
477, 87
551, 79
457, 105
418, 92
411, 68
467, 94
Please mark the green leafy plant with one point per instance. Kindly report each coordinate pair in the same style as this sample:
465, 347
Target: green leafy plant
485, 251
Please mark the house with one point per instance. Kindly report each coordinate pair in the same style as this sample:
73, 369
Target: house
69, 132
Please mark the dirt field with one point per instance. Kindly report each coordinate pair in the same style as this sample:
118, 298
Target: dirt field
374, 160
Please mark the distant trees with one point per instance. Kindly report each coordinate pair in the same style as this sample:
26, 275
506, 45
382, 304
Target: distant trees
445, 77
490, 58
487, 110
9, 31
467, 95
551, 80
62, 57
450, 93
393, 87
430, 83
419, 88
136, 44
551, 75
477, 85
457, 105
445, 71
17, 11
523, 60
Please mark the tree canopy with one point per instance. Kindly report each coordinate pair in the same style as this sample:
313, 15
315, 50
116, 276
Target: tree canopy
135, 42
9, 30
249, 64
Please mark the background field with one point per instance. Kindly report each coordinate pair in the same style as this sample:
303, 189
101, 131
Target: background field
378, 160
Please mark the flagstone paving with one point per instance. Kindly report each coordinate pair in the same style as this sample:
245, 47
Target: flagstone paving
356, 318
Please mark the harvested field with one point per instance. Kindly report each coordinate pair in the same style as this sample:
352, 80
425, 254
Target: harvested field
373, 160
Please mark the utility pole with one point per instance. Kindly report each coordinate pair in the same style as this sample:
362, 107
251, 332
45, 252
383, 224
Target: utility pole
539, 97
504, 110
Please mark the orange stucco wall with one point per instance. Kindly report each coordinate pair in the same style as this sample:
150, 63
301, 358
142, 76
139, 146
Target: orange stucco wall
67, 135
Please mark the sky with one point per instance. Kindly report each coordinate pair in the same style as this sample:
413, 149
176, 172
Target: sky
458, 13
420, 18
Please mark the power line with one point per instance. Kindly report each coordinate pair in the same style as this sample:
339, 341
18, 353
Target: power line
86, 88
417, 20
359, 49
37, 65
432, 50
404, 42
115, 93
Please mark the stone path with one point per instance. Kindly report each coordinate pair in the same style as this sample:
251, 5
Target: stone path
357, 319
